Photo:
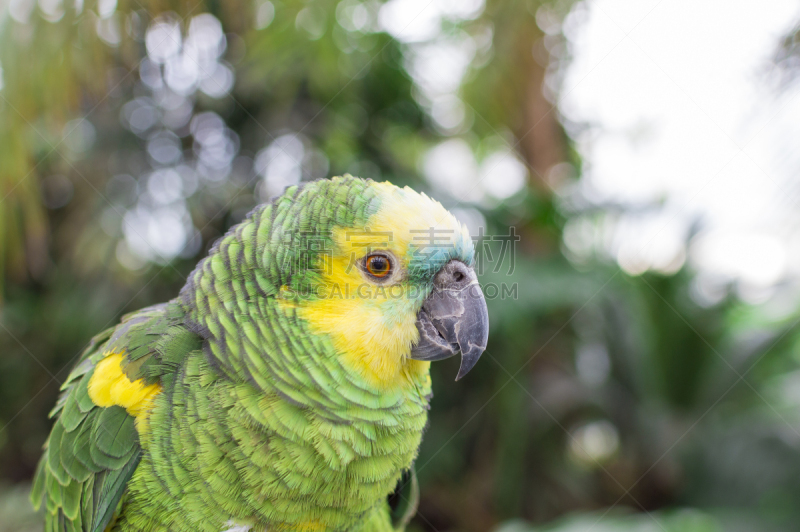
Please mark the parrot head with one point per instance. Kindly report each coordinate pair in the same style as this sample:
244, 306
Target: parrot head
395, 287
384, 275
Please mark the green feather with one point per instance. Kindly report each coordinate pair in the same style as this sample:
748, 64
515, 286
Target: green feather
76, 470
111, 491
258, 420
54, 455
81, 448
72, 415
113, 438
81, 392
87, 501
71, 499
37, 490
52, 494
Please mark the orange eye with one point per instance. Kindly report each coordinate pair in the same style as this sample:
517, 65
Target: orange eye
378, 266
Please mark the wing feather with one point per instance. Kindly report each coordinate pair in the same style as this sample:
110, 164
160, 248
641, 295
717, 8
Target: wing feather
93, 451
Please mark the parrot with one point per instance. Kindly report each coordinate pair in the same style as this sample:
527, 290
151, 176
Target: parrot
286, 387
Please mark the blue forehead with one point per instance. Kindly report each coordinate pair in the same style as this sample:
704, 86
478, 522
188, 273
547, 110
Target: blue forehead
429, 253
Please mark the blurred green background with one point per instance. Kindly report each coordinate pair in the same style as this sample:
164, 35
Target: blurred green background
133, 134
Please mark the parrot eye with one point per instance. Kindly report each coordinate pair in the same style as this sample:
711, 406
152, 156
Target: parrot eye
378, 266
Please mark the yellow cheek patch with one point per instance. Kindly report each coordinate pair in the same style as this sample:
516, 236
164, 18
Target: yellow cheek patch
352, 312
373, 326
109, 386
360, 334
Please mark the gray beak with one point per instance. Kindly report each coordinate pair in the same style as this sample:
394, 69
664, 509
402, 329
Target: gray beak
453, 319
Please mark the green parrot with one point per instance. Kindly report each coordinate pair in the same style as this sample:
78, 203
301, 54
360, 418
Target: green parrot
286, 387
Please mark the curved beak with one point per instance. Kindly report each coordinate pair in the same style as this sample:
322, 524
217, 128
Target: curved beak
453, 319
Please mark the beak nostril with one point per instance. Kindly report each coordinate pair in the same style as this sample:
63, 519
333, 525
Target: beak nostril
454, 275
453, 318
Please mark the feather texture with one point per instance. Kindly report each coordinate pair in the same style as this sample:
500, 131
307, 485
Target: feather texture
260, 398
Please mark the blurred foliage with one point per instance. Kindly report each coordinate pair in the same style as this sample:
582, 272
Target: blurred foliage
787, 57
16, 514
599, 391
669, 521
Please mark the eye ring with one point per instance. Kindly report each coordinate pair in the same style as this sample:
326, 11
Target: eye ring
378, 266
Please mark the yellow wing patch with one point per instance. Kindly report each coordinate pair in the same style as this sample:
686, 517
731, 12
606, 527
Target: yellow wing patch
109, 386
